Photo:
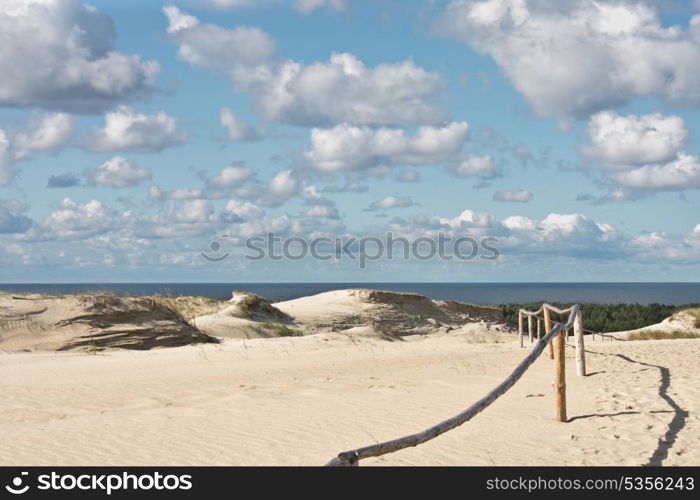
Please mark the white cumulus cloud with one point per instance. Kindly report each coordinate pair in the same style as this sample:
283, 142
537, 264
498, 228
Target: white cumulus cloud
680, 174
618, 141
230, 177
473, 165
238, 130
47, 133
7, 160
155, 192
277, 224
322, 211
118, 172
60, 54
212, 46
573, 58
349, 147
343, 89
282, 186
191, 212
239, 211
391, 201
639, 155
73, 220
126, 130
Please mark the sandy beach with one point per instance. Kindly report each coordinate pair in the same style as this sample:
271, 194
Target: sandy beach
300, 401
342, 232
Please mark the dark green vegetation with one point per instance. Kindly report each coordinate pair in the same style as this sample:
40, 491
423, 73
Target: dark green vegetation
606, 317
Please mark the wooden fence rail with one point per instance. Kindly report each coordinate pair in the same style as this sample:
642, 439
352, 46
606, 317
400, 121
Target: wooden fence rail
352, 457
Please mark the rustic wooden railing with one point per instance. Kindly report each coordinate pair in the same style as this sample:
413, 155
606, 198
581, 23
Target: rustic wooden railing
557, 349
555, 332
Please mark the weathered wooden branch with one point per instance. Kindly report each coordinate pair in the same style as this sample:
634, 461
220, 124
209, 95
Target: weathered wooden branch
560, 376
520, 326
547, 327
580, 348
352, 457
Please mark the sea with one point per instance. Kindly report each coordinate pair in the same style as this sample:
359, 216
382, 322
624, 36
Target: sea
475, 293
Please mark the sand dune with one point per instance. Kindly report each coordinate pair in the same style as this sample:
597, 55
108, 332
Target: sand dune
682, 321
98, 321
390, 314
245, 316
94, 321
356, 312
301, 400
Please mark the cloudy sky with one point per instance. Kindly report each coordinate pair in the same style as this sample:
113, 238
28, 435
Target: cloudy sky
134, 134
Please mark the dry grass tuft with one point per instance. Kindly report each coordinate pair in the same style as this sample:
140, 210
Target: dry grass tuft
485, 339
282, 330
189, 307
660, 335
695, 313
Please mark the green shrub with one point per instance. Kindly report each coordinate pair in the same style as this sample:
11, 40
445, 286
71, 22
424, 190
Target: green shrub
607, 317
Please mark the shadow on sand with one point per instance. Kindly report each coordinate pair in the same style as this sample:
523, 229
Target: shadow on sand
596, 415
679, 414
677, 423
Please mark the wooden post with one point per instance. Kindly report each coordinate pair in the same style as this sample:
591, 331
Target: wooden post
580, 349
352, 457
520, 326
529, 327
547, 327
560, 376
539, 329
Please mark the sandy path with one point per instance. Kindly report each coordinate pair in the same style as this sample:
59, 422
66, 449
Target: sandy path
301, 400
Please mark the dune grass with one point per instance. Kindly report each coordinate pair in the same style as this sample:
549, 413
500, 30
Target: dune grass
486, 339
695, 313
660, 335
248, 302
189, 306
282, 330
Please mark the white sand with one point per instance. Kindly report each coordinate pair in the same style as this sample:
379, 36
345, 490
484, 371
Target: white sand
56, 323
679, 322
302, 400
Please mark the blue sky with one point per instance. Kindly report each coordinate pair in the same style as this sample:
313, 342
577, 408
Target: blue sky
134, 134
